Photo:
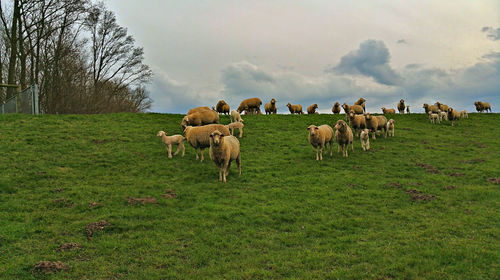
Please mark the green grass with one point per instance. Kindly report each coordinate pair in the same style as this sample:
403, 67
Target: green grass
287, 216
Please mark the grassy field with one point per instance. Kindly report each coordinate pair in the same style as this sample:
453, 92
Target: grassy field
416, 206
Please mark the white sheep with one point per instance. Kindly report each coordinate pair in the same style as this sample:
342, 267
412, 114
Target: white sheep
199, 136
433, 117
344, 137
365, 139
223, 150
319, 137
172, 140
239, 125
390, 128
464, 114
235, 116
443, 115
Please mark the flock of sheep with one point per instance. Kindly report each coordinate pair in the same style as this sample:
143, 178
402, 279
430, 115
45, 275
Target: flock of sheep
202, 129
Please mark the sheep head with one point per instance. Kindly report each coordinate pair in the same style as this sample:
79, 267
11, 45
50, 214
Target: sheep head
216, 138
341, 126
161, 133
184, 122
288, 105
273, 101
401, 101
313, 130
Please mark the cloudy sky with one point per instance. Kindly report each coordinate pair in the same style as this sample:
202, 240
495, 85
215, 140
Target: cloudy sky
317, 51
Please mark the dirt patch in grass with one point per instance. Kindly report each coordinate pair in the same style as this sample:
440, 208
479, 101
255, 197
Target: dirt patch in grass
142, 200
93, 204
50, 267
456, 174
494, 180
431, 148
351, 185
139, 154
395, 185
480, 145
169, 194
94, 227
468, 211
416, 195
414, 184
58, 190
356, 167
69, 247
428, 167
472, 161
63, 202
450, 187
98, 141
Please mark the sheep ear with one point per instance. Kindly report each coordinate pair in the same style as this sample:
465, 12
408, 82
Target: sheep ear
308, 128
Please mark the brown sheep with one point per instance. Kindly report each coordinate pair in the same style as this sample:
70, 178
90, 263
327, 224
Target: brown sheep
388, 111
358, 109
464, 114
199, 136
336, 108
482, 106
430, 108
361, 102
222, 107
200, 118
223, 150
401, 106
319, 137
312, 109
382, 122
372, 124
486, 106
270, 107
442, 107
294, 109
198, 109
344, 137
453, 115
250, 105
358, 122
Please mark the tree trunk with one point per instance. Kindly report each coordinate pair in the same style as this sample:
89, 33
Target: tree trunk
22, 55
11, 78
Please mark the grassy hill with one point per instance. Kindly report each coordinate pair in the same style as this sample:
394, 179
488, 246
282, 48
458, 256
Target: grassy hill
416, 206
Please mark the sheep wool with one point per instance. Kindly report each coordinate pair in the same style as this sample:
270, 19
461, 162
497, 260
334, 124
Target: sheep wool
270, 107
198, 109
250, 105
234, 125
172, 140
199, 136
200, 118
365, 139
320, 137
294, 109
344, 137
223, 150
312, 109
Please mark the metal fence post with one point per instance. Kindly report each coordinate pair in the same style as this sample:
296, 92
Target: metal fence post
36, 110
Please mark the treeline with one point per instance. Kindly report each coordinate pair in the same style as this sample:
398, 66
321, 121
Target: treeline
74, 50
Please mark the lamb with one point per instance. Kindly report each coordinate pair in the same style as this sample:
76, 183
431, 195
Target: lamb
388, 111
199, 136
443, 115
358, 109
433, 117
172, 140
200, 118
344, 137
358, 122
312, 109
361, 102
389, 128
408, 109
222, 107
251, 103
198, 109
295, 109
401, 106
319, 137
371, 124
336, 108
234, 125
453, 115
365, 139
464, 114
270, 107
430, 108
235, 116
223, 150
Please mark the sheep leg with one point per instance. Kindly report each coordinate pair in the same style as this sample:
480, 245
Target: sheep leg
238, 162
220, 174
338, 149
368, 145
363, 145
232, 131
196, 151
183, 148
321, 151
225, 170
178, 149
373, 134
241, 132
331, 148
169, 150
202, 150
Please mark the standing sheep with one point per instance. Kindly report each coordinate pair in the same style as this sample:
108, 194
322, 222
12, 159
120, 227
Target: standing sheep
430, 108
198, 109
401, 106
389, 130
222, 107
388, 111
361, 102
358, 109
344, 137
200, 118
250, 105
443, 115
358, 122
172, 140
441, 106
371, 124
294, 109
336, 108
319, 137
223, 150
270, 107
199, 136
453, 115
365, 139
235, 116
482, 106
408, 109
433, 118
312, 109
464, 114
382, 122
234, 125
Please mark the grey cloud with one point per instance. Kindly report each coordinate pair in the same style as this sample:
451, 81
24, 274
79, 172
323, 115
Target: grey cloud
402, 41
492, 33
371, 60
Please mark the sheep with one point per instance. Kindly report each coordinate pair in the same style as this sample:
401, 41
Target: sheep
172, 140
371, 124
319, 137
443, 115
486, 106
408, 109
270, 107
482, 106
361, 102
198, 136
433, 118
312, 109
235, 116
295, 109
382, 122
401, 106
430, 108
223, 150
388, 111
479, 107
238, 125
453, 115
222, 107
248, 104
358, 122
344, 137
464, 114
200, 118
336, 108
389, 128
441, 106
365, 139
358, 109
198, 109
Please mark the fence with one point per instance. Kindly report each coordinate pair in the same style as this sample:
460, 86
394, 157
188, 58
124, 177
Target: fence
27, 103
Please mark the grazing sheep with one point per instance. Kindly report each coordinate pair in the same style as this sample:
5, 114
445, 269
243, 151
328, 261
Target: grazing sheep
172, 140
453, 115
433, 118
200, 118
388, 111
357, 122
441, 106
222, 107
401, 106
336, 108
344, 137
238, 125
312, 109
319, 137
389, 129
430, 108
223, 150
358, 109
199, 136
482, 106
365, 139
235, 116
408, 109
250, 105
464, 114
371, 124
198, 109
270, 107
295, 109
361, 102
443, 115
